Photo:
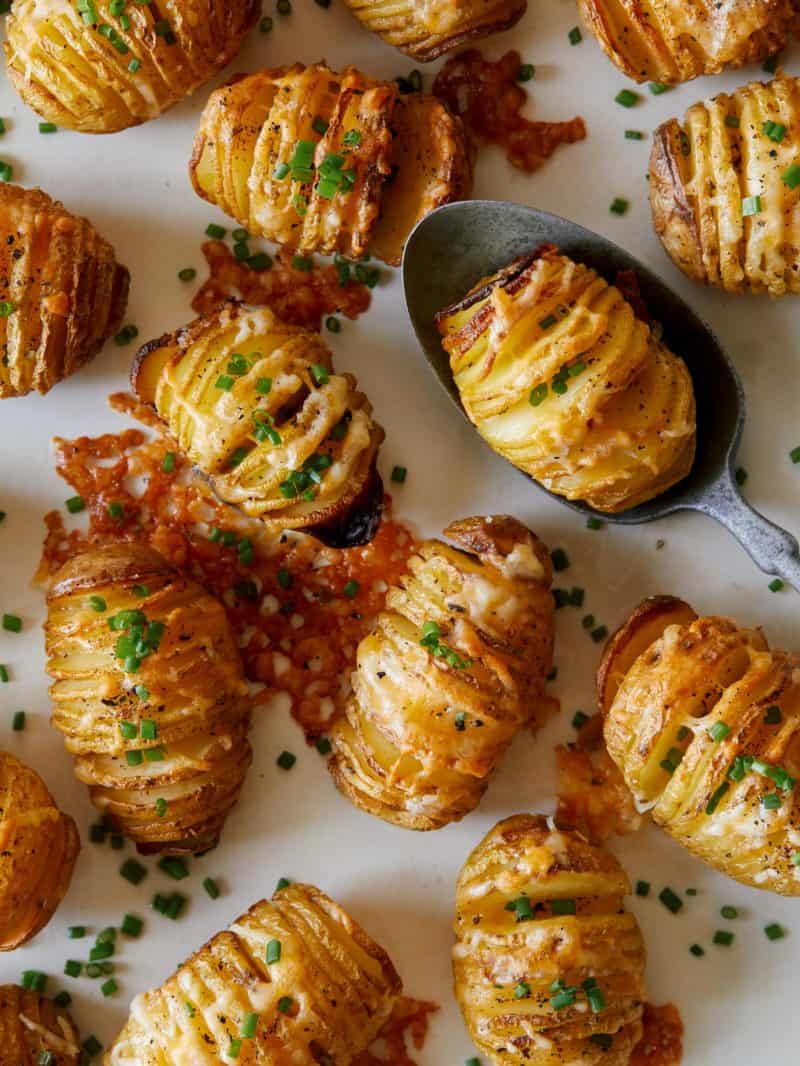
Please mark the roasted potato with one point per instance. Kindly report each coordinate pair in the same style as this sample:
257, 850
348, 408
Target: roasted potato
293, 980
703, 720
62, 292
38, 848
88, 67
561, 378
427, 30
725, 187
548, 964
149, 693
454, 667
255, 403
671, 41
325, 162
34, 1031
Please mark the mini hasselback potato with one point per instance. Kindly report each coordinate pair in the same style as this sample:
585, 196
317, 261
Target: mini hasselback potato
427, 30
671, 41
88, 67
725, 187
325, 162
33, 1030
295, 980
561, 378
703, 720
453, 668
149, 692
548, 964
255, 403
38, 848
62, 292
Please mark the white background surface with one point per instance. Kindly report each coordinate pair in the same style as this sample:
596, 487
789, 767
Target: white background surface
400, 885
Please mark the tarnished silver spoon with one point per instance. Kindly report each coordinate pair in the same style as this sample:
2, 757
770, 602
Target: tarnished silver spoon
460, 243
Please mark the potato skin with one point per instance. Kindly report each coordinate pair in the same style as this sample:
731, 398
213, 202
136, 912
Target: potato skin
703, 169
38, 848
194, 692
505, 966
340, 983
428, 30
423, 734
317, 422
67, 291
672, 41
559, 376
80, 79
31, 1025
699, 675
246, 143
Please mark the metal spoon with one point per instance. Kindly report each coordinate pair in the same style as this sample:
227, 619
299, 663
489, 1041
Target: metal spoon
460, 243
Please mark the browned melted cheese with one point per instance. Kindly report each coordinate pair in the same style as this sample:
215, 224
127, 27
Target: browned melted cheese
409, 1021
662, 1043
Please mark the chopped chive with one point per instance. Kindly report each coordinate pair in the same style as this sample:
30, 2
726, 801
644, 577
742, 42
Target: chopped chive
575, 36
161, 807
75, 504
751, 205
108, 988
76, 932
273, 952
522, 990
658, 87
133, 871
729, 912
774, 931
697, 951
97, 603
718, 731
4, 676
283, 882
48, 127
563, 906
187, 274
215, 232
63, 999
224, 382
538, 394
73, 968
249, 1025
211, 887
618, 206
634, 135
724, 938
168, 462
773, 715
18, 722
776, 131
579, 719
521, 907
320, 374
134, 758
235, 1045
791, 176
626, 98
600, 633
286, 760
547, 322
173, 866
398, 474
732, 121
771, 801
713, 803
323, 746
594, 523
740, 475
131, 925
671, 900
351, 589
285, 1004
776, 585
560, 559
642, 888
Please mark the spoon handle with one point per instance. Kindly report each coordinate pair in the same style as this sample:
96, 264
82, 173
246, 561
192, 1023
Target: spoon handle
771, 548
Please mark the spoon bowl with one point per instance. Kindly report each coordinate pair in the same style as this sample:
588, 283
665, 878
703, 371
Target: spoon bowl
456, 245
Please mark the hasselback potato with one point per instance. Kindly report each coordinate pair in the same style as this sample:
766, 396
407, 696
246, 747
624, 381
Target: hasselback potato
149, 693
703, 720
98, 66
671, 41
34, 1031
62, 292
38, 848
548, 964
325, 162
725, 186
295, 980
255, 403
561, 378
427, 30
453, 668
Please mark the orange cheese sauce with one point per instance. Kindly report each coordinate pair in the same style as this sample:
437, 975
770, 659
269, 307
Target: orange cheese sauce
297, 630
662, 1043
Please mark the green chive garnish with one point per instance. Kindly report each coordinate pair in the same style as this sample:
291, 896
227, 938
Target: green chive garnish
671, 900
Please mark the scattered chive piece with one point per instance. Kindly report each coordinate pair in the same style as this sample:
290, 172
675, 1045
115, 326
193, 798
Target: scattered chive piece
63, 999
128, 730
161, 807
131, 925
729, 912
92, 1046
773, 715
563, 906
320, 374
224, 382
642, 888
560, 559
333, 324
575, 36
285, 1004
741, 475
732, 121
580, 718
658, 87
73, 968
671, 900
48, 127
526, 72
771, 802
265, 25
547, 322
108, 988
697, 951
148, 729
211, 887
249, 1024
776, 131
173, 866
189, 1008
751, 205
273, 952
18, 722
791, 176
76, 932
97, 603
538, 394
235, 1045
134, 758
323, 746
473, 1062
75, 504
596, 999
626, 98
719, 731
168, 463
283, 882
634, 135
215, 232
713, 803
133, 871
774, 931
770, 64
4, 674
794, 455
691, 891
724, 938
286, 760
522, 990
776, 585
351, 589
594, 523
618, 206
399, 474
187, 274
600, 633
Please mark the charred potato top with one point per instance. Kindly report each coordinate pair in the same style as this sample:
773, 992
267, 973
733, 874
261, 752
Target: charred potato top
325, 162
672, 41
298, 974
548, 964
257, 405
34, 1031
149, 693
562, 379
426, 30
725, 188
91, 68
38, 848
703, 720
62, 292
453, 668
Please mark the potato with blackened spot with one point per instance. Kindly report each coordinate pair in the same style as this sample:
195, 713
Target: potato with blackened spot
38, 848
671, 41
453, 669
257, 405
561, 378
325, 162
703, 719
548, 964
295, 980
62, 292
725, 189
149, 693
93, 69
36, 1032
426, 29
